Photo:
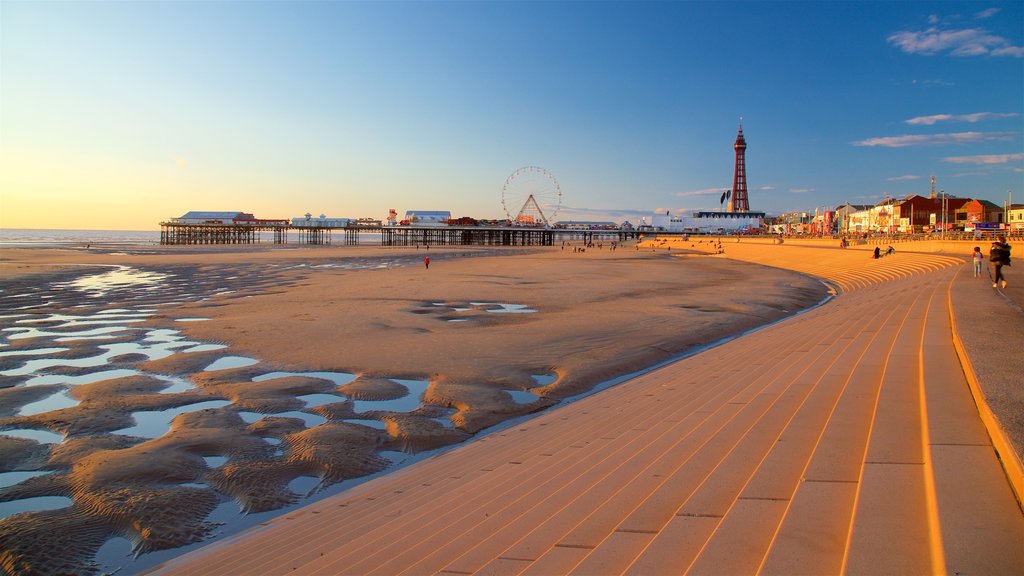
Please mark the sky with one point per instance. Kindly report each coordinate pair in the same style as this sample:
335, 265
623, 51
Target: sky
120, 115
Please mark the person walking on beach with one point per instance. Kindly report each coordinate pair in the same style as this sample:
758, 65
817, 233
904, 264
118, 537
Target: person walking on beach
878, 252
978, 258
999, 256
426, 263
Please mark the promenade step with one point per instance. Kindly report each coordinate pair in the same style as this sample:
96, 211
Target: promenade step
841, 440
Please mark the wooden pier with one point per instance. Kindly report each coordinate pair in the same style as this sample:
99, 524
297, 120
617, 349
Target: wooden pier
173, 233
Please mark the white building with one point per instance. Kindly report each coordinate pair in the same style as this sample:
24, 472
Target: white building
1015, 217
708, 222
197, 217
428, 217
323, 221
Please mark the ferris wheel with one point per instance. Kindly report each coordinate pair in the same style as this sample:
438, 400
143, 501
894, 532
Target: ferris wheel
531, 196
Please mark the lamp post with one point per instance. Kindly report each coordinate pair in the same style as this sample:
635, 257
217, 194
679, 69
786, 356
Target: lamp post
943, 192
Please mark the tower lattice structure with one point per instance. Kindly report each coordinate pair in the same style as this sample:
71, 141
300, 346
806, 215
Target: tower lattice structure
739, 202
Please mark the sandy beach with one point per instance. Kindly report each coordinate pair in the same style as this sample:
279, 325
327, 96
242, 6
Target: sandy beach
326, 363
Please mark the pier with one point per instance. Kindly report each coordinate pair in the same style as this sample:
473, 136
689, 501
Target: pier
174, 233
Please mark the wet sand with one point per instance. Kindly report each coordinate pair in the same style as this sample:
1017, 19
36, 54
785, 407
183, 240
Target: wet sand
491, 334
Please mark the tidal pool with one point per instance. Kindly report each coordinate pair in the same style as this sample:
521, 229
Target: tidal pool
154, 424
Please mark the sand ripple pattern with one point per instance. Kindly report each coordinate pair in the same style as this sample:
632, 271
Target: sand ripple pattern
101, 394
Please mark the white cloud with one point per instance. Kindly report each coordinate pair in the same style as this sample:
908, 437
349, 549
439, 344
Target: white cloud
1015, 51
934, 82
704, 192
767, 188
976, 117
986, 13
901, 178
957, 42
934, 139
984, 159
801, 190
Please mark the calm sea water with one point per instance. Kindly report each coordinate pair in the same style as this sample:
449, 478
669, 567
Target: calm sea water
31, 237
23, 237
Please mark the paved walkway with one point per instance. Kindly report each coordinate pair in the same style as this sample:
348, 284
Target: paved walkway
842, 440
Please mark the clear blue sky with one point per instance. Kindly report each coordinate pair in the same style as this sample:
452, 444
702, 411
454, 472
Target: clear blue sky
128, 113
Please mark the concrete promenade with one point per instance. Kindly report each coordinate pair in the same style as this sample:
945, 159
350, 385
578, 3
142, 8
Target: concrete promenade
842, 440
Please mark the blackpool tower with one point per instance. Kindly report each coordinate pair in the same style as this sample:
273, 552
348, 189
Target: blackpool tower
739, 201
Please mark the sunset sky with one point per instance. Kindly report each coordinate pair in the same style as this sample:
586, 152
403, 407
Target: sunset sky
118, 115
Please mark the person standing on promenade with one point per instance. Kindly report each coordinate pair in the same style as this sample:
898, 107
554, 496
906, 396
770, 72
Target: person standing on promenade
999, 256
978, 258
426, 263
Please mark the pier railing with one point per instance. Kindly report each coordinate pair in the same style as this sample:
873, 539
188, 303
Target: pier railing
175, 233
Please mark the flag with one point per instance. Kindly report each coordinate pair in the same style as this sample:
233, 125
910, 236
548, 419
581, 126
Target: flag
722, 199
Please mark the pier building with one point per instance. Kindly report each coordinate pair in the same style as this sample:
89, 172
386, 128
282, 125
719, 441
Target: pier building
428, 217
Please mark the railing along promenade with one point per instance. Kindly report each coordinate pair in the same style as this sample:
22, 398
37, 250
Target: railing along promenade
843, 440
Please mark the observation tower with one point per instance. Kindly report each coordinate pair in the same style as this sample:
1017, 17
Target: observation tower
739, 202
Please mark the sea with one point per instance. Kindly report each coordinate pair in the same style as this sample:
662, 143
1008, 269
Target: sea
25, 237
57, 238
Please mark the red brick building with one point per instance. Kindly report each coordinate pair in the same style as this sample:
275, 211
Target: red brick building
920, 212
977, 211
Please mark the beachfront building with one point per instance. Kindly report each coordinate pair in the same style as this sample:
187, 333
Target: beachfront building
585, 225
198, 217
709, 222
308, 221
916, 213
1015, 217
860, 220
978, 212
844, 213
427, 217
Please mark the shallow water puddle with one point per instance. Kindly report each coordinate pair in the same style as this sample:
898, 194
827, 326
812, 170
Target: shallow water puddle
33, 352
177, 384
313, 400
338, 378
22, 332
407, 403
153, 352
83, 379
500, 308
154, 424
56, 401
545, 379
17, 477
394, 456
215, 461
522, 396
204, 348
370, 423
229, 362
41, 436
96, 285
115, 548
191, 319
37, 504
310, 420
304, 485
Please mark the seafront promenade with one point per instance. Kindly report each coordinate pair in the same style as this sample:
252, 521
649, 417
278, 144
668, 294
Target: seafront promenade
846, 439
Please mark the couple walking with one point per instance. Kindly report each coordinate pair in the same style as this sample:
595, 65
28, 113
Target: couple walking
998, 256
